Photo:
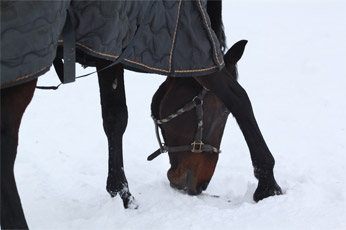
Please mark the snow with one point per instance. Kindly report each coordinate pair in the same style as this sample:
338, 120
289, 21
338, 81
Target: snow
294, 72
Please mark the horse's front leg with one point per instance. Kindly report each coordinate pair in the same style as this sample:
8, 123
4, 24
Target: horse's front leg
13, 104
114, 114
226, 87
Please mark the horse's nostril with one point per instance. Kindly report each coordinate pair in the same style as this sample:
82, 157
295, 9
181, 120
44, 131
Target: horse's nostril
177, 181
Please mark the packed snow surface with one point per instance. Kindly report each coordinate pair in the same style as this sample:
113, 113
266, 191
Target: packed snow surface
293, 69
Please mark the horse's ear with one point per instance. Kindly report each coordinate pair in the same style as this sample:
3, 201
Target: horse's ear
234, 54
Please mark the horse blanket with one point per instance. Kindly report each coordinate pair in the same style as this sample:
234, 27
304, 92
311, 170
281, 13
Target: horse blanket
176, 38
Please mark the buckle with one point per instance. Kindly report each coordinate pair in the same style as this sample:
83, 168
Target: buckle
197, 100
199, 147
163, 148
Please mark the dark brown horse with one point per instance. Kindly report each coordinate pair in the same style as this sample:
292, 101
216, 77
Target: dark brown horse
192, 169
189, 170
192, 120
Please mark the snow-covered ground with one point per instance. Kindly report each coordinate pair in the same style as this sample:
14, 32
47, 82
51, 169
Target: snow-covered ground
294, 72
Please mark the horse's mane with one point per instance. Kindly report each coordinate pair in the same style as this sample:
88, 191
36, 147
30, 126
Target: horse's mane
214, 9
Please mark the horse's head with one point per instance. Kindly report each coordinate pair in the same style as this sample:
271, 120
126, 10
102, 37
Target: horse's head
192, 122
204, 119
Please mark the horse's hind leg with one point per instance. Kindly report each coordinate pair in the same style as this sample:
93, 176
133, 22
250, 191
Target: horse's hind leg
114, 114
226, 87
13, 104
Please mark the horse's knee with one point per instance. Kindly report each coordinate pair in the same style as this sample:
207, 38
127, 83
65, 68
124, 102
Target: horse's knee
9, 140
239, 103
12, 216
115, 121
8, 154
231, 93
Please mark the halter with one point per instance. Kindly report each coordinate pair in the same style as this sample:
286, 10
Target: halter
197, 146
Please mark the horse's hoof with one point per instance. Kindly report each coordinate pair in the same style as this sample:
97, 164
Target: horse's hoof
265, 190
130, 202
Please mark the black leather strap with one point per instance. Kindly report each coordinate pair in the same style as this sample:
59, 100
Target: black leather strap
66, 70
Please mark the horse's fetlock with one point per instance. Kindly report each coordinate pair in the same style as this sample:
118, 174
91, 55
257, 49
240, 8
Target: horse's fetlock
264, 173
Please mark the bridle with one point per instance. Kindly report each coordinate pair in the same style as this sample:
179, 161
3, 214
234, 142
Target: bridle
197, 146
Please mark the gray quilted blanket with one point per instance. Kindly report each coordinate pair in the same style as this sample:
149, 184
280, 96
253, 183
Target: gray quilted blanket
176, 40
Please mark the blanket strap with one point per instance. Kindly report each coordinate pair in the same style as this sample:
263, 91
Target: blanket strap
67, 70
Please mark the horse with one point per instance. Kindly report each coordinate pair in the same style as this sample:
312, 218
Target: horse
192, 120
185, 173
183, 129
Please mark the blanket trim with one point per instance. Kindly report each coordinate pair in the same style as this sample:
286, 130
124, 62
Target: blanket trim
135, 64
26, 77
174, 35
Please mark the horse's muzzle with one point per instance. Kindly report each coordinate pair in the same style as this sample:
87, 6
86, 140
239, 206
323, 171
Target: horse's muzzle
188, 184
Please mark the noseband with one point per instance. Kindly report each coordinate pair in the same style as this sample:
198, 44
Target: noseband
197, 146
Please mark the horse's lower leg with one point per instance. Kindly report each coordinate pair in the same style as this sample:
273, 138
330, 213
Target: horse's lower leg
114, 114
13, 104
226, 87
